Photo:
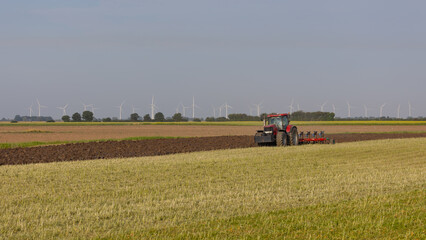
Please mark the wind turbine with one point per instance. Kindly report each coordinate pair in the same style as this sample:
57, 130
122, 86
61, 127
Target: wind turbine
334, 109
398, 111
134, 108
64, 109
153, 107
184, 109
349, 109
259, 106
366, 111
291, 106
193, 107
410, 109
214, 111
121, 109
298, 107
39, 108
31, 110
226, 106
93, 108
381, 109
85, 106
322, 106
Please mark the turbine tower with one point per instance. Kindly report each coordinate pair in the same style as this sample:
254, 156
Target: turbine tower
398, 111
193, 107
259, 106
381, 109
349, 109
31, 110
184, 109
64, 109
121, 109
290, 106
410, 110
226, 106
39, 108
366, 111
153, 107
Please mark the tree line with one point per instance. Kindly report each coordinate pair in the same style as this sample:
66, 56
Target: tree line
88, 116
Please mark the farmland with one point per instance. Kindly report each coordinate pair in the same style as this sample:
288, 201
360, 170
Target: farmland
372, 189
210, 181
137, 147
60, 132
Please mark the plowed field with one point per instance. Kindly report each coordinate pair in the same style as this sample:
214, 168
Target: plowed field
16, 134
123, 149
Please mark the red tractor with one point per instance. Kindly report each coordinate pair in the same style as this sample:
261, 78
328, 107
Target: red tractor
278, 131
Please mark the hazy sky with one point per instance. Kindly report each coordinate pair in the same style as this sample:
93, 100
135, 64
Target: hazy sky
236, 51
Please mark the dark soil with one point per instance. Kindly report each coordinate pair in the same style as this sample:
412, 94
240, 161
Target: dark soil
124, 149
119, 149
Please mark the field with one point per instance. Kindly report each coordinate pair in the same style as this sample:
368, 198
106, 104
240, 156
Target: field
54, 133
203, 181
360, 190
227, 123
21, 153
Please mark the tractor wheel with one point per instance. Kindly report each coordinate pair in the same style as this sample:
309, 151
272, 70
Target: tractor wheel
282, 139
294, 137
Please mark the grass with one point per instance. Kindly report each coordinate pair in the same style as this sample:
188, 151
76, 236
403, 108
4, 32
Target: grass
38, 143
230, 123
362, 190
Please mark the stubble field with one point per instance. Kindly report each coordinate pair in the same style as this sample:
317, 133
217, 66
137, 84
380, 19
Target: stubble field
359, 190
362, 190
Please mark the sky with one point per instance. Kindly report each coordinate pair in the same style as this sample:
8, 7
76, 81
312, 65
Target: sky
239, 52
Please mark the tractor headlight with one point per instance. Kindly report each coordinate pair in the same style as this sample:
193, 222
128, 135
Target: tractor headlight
268, 132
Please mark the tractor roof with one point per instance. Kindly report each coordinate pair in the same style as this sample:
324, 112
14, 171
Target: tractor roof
278, 115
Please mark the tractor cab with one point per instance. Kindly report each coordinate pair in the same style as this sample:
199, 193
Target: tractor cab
280, 121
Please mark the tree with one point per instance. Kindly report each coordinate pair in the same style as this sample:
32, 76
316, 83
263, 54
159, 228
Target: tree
76, 117
66, 118
108, 119
159, 117
134, 117
18, 118
177, 117
87, 116
147, 118
196, 120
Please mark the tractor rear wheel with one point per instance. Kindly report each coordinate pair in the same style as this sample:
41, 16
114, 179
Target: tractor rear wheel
294, 137
281, 139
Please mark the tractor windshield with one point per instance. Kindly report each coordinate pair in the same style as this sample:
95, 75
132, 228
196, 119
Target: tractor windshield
277, 121
280, 122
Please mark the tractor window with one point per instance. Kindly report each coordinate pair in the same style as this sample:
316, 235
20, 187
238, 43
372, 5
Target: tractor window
285, 121
277, 121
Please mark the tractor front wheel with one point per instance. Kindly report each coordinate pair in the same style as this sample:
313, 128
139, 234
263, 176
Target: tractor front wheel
282, 139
